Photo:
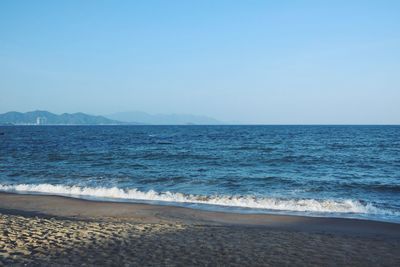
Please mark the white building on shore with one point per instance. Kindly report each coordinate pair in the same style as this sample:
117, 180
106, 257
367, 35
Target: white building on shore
41, 120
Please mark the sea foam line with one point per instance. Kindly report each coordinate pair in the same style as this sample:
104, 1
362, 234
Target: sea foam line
297, 205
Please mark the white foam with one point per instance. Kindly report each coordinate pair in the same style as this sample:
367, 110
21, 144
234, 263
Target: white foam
297, 205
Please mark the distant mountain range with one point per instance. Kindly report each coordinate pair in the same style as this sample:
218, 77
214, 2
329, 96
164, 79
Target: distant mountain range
47, 118
162, 119
39, 117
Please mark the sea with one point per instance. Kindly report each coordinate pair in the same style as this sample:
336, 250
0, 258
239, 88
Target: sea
323, 171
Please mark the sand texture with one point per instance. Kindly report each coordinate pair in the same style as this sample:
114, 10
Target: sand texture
27, 238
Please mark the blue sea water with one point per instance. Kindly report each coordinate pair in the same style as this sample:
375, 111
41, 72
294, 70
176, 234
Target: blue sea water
334, 171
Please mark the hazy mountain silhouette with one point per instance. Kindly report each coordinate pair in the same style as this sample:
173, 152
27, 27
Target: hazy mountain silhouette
162, 119
48, 118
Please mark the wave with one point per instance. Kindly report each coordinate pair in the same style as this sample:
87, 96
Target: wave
275, 204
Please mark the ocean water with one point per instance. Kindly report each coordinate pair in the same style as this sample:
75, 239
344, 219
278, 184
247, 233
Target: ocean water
333, 171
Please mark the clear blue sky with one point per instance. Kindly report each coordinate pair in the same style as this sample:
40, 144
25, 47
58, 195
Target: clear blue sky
249, 61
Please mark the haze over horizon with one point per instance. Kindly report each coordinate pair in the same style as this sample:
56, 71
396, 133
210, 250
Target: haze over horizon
255, 62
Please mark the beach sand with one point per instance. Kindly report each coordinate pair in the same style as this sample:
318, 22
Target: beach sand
54, 230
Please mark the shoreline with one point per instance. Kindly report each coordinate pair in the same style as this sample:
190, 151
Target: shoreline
38, 230
84, 209
319, 208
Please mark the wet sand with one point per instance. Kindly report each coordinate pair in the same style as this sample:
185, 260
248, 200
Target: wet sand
54, 230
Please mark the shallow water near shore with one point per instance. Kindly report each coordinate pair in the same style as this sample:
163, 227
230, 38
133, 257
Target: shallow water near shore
333, 171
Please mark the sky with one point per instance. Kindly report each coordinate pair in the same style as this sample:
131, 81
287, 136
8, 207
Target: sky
261, 62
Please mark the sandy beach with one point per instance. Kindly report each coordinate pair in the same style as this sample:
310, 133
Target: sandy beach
54, 230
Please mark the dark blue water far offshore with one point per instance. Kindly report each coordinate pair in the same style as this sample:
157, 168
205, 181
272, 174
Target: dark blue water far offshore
338, 171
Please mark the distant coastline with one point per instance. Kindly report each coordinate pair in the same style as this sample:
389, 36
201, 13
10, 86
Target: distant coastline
41, 117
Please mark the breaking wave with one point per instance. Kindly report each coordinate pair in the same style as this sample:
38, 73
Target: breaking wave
275, 204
